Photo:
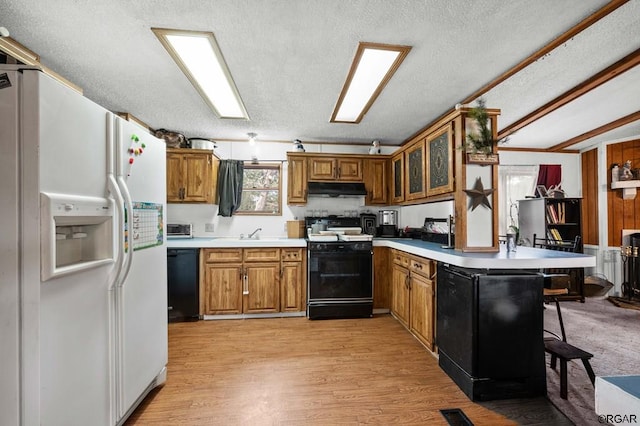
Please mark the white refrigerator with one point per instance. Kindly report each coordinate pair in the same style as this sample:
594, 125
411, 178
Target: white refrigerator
83, 309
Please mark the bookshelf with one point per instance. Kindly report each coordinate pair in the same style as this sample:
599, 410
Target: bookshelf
552, 218
555, 219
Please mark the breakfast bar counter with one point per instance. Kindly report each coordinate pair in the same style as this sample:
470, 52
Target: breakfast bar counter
522, 258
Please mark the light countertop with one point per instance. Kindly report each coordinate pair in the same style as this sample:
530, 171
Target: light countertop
522, 258
232, 242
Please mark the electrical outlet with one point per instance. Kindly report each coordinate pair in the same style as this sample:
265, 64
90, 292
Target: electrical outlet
208, 227
285, 227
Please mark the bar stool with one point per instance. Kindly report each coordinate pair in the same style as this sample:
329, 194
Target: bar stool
558, 347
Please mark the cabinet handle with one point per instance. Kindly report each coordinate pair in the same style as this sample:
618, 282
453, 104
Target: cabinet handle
245, 291
406, 281
339, 172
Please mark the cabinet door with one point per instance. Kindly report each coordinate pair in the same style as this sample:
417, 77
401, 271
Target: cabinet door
291, 287
397, 178
322, 168
415, 177
400, 294
196, 178
297, 180
421, 309
174, 178
261, 287
349, 169
223, 288
381, 276
376, 181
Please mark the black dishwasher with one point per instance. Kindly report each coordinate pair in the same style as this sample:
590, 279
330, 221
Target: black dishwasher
182, 283
489, 331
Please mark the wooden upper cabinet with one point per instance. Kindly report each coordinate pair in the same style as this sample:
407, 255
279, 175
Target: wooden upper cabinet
174, 178
335, 169
191, 176
397, 178
297, 180
322, 168
415, 167
375, 181
350, 169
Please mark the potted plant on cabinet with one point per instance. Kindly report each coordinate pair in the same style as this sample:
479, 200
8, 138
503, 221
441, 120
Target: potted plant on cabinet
480, 141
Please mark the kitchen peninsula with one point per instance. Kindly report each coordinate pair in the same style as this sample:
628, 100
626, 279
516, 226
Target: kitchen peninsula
487, 313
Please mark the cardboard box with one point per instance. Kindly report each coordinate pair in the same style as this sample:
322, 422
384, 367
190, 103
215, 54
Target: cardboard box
295, 228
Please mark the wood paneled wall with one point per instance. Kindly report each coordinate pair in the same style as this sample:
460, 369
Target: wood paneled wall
590, 197
623, 214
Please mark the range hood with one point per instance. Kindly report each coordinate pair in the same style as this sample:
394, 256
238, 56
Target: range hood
336, 189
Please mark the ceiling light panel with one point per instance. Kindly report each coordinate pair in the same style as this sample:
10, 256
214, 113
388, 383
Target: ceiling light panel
372, 68
199, 57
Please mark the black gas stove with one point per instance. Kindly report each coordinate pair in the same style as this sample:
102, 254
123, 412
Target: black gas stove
340, 273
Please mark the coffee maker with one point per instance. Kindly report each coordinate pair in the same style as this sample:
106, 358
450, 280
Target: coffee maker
388, 223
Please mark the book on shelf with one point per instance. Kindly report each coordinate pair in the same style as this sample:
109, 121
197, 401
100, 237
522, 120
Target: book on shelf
556, 213
554, 235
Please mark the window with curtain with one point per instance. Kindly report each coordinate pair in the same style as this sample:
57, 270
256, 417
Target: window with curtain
261, 190
515, 183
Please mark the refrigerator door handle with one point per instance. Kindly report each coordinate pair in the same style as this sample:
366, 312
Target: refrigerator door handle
127, 230
114, 190
117, 195
129, 215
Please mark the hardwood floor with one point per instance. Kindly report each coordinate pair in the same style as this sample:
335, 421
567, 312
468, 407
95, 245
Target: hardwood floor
293, 371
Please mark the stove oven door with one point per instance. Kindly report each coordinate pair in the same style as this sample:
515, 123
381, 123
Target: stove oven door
340, 276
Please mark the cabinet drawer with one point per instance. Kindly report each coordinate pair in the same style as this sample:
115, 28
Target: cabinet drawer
262, 254
400, 258
422, 266
291, 254
223, 255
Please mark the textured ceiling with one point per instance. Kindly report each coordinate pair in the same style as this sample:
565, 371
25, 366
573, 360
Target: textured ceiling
289, 60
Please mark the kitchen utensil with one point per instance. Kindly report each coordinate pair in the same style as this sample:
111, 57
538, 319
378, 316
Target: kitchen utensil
197, 143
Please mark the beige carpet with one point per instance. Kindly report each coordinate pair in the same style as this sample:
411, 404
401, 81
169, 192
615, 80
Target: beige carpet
611, 334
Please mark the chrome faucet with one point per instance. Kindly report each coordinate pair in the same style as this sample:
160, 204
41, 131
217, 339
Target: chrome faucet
250, 236
254, 233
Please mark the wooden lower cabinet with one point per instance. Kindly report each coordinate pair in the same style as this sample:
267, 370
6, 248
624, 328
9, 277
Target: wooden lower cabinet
291, 298
413, 295
252, 280
223, 288
381, 278
261, 288
400, 294
421, 309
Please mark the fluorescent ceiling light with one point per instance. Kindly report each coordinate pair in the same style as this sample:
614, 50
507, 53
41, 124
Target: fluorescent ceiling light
372, 68
199, 57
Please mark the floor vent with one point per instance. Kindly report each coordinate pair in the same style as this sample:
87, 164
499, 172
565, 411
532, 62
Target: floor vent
456, 417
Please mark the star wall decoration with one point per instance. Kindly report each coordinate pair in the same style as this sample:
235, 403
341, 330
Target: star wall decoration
479, 195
